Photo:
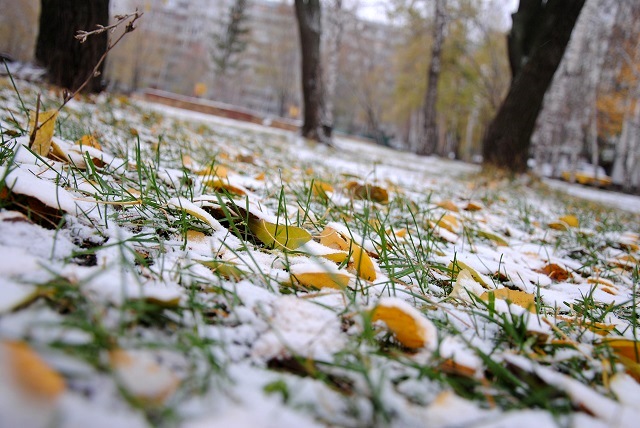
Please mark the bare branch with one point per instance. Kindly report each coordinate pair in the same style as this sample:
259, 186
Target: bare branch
128, 20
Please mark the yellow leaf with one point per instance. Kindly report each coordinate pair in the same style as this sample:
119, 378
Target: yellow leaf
401, 233
214, 171
498, 239
411, 328
195, 236
217, 184
31, 372
570, 220
89, 141
448, 222
320, 188
516, 297
556, 272
480, 278
47, 124
316, 249
559, 225
323, 279
278, 236
226, 269
368, 192
169, 302
449, 205
625, 347
190, 208
332, 239
473, 206
362, 262
187, 162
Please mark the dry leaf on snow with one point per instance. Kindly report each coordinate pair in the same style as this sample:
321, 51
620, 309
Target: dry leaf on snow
46, 123
410, 327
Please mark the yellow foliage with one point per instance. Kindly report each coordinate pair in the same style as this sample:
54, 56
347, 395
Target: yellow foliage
89, 141
410, 327
279, 236
31, 372
322, 279
46, 123
516, 297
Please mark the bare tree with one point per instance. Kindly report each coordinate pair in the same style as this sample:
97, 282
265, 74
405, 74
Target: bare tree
68, 61
540, 34
308, 13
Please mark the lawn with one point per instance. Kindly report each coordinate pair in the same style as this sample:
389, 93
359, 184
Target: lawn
167, 268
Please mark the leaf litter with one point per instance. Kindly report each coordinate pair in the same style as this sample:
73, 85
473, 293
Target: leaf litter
162, 267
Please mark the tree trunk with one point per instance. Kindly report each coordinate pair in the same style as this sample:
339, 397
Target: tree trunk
334, 41
310, 28
506, 144
429, 140
69, 62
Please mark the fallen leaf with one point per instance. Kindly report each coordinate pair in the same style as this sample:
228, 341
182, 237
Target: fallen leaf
473, 206
368, 192
47, 123
225, 269
190, 208
499, 240
145, 379
331, 238
320, 188
317, 275
466, 285
516, 297
279, 236
214, 171
570, 220
449, 222
316, 249
459, 266
216, 184
449, 205
32, 374
363, 264
401, 233
556, 272
452, 367
89, 141
195, 236
410, 327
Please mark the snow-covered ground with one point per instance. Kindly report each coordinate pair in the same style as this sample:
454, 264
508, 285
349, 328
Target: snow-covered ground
200, 272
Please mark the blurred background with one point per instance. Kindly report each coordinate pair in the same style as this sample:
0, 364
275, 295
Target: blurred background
246, 54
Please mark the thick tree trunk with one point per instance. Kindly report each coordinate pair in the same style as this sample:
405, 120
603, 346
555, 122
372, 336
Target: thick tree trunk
309, 25
69, 62
506, 144
429, 140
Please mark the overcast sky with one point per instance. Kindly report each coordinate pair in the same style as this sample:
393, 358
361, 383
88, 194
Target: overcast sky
376, 9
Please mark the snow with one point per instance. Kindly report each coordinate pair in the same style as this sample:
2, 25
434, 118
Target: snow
624, 202
239, 329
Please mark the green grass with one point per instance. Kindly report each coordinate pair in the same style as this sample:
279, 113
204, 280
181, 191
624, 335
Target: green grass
136, 234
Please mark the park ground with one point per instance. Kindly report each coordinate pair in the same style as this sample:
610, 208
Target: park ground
168, 268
